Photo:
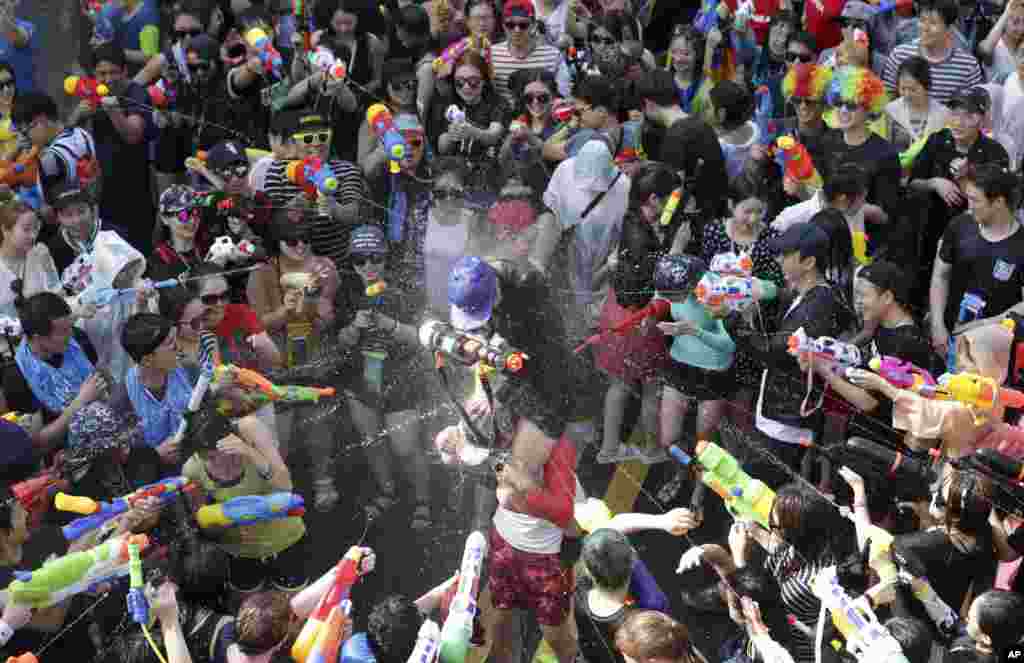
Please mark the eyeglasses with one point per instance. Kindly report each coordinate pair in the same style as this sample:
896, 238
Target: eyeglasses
362, 259
195, 324
468, 82
847, 105
294, 240
183, 34
240, 170
214, 298
7, 84
800, 57
604, 41
450, 193
804, 101
317, 138
518, 25
197, 67
541, 98
409, 84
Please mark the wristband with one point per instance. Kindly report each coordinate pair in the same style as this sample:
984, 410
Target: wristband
6, 633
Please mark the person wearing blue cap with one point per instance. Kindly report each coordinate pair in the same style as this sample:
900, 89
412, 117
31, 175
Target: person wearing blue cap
389, 382
537, 483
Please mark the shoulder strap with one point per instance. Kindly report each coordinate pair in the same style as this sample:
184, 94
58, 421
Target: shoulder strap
599, 197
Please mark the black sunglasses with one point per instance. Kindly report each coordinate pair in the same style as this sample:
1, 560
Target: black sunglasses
183, 34
9, 83
451, 193
362, 259
214, 298
800, 57
468, 82
518, 25
853, 23
542, 98
239, 170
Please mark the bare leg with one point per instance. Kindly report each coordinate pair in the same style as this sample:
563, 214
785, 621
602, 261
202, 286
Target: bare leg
564, 638
615, 400
649, 404
674, 406
505, 641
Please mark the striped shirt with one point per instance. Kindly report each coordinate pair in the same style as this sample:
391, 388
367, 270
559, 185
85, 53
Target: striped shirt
959, 71
330, 238
504, 64
795, 578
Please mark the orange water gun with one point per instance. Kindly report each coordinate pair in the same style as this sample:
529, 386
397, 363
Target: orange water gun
318, 624
23, 171
796, 162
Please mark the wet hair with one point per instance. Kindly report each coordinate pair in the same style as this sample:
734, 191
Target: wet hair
206, 427
262, 622
598, 91
806, 521
917, 68
914, 636
107, 52
618, 25
646, 634
755, 583
392, 628
840, 251
38, 312
658, 86
697, 42
143, 333
172, 302
968, 504
652, 178
1001, 617
30, 105
760, 180
735, 100
608, 557
10, 213
996, 182
947, 10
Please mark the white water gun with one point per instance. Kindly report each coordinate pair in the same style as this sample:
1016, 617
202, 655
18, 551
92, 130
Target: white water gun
427, 643
224, 250
865, 636
458, 628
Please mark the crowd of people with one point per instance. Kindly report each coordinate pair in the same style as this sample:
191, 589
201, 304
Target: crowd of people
509, 243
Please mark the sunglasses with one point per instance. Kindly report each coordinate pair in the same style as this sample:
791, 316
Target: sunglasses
197, 67
182, 215
214, 298
410, 84
804, 101
518, 25
360, 260
318, 138
239, 170
442, 193
803, 58
294, 240
183, 34
542, 98
468, 82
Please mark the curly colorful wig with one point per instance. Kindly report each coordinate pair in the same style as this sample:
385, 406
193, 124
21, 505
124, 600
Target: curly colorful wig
806, 81
859, 85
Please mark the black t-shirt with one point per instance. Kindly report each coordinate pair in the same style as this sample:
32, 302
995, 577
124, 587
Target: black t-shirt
938, 154
19, 395
992, 270
878, 158
935, 551
596, 631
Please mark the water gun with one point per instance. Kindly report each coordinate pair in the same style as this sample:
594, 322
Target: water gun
456, 50
902, 374
709, 16
971, 307
224, 250
859, 239
1000, 463
34, 494
138, 606
732, 264
454, 114
379, 117
328, 641
376, 289
458, 627
106, 296
74, 573
323, 60
261, 390
97, 513
563, 111
796, 162
445, 340
346, 575
908, 155
427, 642
313, 176
735, 293
658, 309
105, 23
979, 392
744, 496
250, 509
674, 199
865, 635
162, 94
23, 171
92, 8
764, 110
845, 355
85, 88
271, 59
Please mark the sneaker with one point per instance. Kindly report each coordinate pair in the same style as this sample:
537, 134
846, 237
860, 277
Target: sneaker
654, 455
623, 453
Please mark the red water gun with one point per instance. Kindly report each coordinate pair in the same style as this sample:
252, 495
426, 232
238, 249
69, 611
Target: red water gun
796, 162
35, 495
86, 89
657, 309
23, 171
346, 576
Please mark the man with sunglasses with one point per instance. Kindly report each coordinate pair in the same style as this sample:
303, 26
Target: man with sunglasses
856, 15
522, 50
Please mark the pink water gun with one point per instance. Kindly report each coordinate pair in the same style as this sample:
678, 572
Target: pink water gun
451, 54
903, 374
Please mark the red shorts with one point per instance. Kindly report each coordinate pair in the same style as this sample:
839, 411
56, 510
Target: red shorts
530, 581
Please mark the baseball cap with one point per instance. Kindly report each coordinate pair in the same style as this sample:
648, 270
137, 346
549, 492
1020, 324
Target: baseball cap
66, 193
860, 11
678, 273
226, 153
311, 122
472, 291
807, 238
367, 240
973, 100
887, 277
519, 9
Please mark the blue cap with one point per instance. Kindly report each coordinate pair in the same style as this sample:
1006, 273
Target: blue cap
678, 274
472, 291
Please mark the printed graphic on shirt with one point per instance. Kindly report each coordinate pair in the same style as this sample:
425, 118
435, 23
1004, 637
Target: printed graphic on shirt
1002, 270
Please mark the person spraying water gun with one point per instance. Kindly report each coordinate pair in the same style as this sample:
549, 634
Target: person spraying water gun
843, 355
333, 589
380, 119
732, 294
796, 162
86, 89
313, 176
263, 44
98, 513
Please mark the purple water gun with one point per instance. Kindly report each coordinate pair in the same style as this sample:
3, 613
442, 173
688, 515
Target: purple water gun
903, 374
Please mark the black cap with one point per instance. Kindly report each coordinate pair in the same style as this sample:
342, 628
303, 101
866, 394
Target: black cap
307, 122
66, 193
226, 153
973, 100
887, 277
807, 238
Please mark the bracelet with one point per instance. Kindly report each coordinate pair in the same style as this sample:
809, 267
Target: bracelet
6, 633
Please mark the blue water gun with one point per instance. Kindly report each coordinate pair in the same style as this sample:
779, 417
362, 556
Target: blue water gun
971, 307
250, 509
763, 113
97, 513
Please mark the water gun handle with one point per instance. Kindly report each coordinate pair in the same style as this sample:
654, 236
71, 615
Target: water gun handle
137, 604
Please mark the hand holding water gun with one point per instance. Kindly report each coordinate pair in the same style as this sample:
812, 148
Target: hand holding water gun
250, 509
734, 293
225, 250
979, 392
259, 390
744, 496
270, 58
162, 94
97, 513
458, 628
469, 350
657, 309
796, 162
105, 296
313, 176
86, 89
902, 374
322, 59
346, 574
35, 494
23, 171
844, 355
379, 117
74, 573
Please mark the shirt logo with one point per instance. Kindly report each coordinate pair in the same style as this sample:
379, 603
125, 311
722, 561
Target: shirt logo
1002, 271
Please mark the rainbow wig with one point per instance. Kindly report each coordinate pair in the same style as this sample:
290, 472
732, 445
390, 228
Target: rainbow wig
859, 85
806, 80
